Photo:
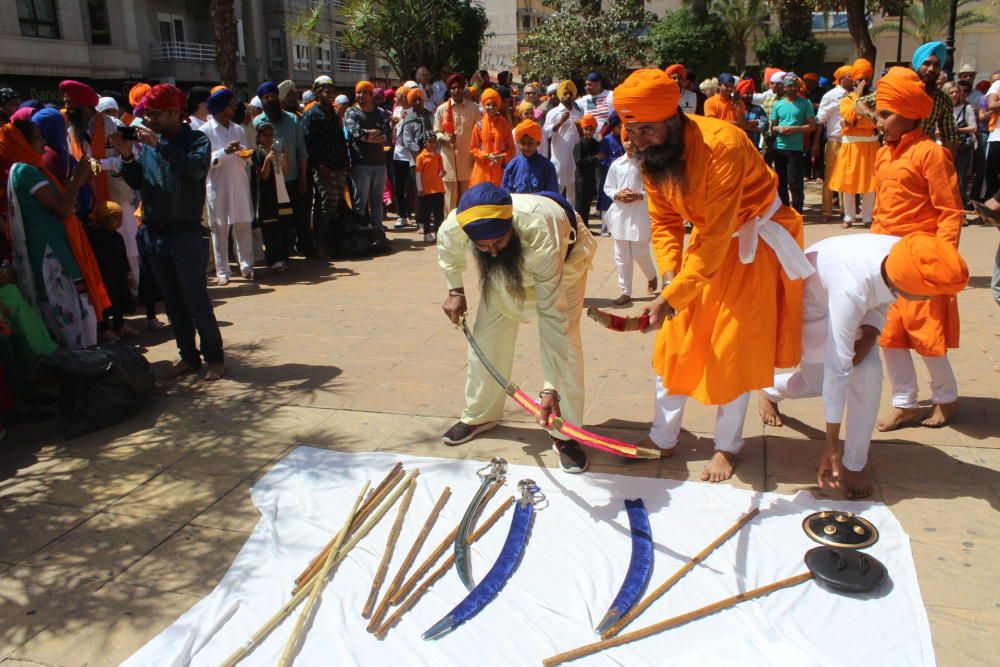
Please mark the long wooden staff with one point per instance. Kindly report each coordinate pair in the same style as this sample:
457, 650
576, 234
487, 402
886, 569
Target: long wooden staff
427, 564
303, 591
668, 584
418, 544
390, 546
675, 621
317, 586
438, 573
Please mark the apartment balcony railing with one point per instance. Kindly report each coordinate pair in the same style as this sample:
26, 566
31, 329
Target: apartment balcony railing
187, 52
352, 66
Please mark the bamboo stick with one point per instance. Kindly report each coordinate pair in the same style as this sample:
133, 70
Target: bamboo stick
293, 641
438, 573
684, 569
440, 549
374, 498
390, 546
303, 591
397, 582
642, 633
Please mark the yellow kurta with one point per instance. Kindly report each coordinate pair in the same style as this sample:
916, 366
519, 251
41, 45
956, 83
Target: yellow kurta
554, 290
736, 322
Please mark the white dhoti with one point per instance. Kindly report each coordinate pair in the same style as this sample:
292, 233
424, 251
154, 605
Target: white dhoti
903, 378
242, 239
627, 252
668, 414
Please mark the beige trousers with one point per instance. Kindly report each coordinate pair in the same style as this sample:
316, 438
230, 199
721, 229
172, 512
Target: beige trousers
453, 191
829, 159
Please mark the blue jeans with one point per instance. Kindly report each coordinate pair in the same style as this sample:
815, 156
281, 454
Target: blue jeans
177, 260
370, 183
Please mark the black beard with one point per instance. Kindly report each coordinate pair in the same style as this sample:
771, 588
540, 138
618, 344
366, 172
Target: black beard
273, 109
75, 116
664, 164
503, 272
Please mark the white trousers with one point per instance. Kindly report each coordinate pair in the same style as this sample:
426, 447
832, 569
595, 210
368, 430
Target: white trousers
627, 252
242, 239
867, 207
903, 378
864, 390
668, 412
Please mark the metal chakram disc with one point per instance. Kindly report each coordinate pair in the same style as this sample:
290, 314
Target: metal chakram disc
844, 530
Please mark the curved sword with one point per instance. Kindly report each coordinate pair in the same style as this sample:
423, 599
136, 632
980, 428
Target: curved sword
640, 567
502, 569
578, 434
496, 471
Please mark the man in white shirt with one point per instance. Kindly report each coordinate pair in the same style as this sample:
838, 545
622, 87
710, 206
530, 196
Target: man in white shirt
561, 127
228, 186
844, 308
597, 101
689, 100
828, 116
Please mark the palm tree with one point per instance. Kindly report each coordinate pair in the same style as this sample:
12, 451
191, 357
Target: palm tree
224, 33
927, 20
742, 18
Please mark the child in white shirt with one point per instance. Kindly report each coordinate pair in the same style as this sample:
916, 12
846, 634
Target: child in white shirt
628, 222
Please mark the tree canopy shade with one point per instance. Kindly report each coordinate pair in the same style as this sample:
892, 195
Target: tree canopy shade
575, 40
407, 33
927, 20
224, 34
701, 45
793, 47
743, 19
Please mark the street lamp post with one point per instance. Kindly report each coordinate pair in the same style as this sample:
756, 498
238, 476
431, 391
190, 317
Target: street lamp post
949, 67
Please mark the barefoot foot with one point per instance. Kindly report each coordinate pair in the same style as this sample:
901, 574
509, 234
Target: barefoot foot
768, 410
941, 414
214, 371
900, 417
180, 368
648, 443
719, 468
856, 485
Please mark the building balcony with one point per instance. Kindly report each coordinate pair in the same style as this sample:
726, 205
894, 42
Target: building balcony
192, 52
351, 66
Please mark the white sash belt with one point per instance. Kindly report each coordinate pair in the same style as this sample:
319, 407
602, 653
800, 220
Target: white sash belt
846, 139
784, 245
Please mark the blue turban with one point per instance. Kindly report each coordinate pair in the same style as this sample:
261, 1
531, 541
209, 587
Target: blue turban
53, 127
485, 212
727, 78
562, 201
219, 100
34, 105
929, 49
824, 82
614, 120
594, 76
267, 88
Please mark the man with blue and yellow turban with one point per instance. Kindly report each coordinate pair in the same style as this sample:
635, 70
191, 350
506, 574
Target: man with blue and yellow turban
533, 255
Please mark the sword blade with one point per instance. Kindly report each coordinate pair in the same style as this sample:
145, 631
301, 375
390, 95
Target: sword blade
485, 361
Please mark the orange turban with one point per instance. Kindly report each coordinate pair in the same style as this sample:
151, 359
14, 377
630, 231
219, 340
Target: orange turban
924, 265
746, 87
902, 92
491, 95
138, 91
364, 85
677, 69
810, 76
525, 106
842, 71
530, 128
862, 69
770, 72
647, 96
588, 120
414, 93
564, 86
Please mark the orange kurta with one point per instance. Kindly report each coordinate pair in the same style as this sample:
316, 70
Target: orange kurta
729, 110
918, 192
854, 170
735, 322
491, 135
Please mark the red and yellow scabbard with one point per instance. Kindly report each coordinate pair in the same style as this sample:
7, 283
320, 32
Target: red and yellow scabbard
618, 322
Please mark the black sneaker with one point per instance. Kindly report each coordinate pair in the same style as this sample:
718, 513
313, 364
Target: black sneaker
572, 458
462, 432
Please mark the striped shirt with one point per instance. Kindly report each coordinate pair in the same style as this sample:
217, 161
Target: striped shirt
598, 106
939, 125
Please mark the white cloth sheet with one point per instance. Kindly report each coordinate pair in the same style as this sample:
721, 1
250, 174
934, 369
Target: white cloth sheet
573, 565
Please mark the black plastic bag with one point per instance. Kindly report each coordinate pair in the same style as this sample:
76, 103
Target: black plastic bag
98, 386
357, 236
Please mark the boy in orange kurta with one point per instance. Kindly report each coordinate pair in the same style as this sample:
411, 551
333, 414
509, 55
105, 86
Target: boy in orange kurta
917, 192
854, 172
731, 305
492, 142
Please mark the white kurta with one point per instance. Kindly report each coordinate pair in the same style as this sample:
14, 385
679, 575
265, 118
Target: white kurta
561, 151
688, 102
228, 175
626, 221
828, 113
554, 290
846, 292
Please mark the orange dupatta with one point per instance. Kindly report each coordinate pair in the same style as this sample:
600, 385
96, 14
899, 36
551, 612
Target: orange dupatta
15, 148
96, 152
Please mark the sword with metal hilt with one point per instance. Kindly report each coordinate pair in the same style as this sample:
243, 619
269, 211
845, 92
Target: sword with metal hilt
555, 422
494, 473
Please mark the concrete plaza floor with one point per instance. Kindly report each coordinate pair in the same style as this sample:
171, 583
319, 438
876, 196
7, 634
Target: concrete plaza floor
108, 538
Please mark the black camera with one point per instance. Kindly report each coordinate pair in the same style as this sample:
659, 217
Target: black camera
128, 133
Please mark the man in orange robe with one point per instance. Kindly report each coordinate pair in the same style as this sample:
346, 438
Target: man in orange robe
731, 305
854, 172
492, 142
917, 192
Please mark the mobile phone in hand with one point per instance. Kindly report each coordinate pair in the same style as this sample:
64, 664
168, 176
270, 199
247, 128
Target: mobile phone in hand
129, 133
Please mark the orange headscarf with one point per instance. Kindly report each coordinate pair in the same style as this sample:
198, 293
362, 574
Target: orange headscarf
902, 92
925, 265
414, 93
530, 128
524, 106
364, 85
841, 72
15, 148
676, 69
588, 120
647, 96
137, 92
862, 69
491, 95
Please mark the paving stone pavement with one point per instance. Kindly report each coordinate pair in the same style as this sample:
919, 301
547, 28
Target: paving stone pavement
108, 538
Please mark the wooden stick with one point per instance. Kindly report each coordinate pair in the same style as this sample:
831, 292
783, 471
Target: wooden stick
668, 584
675, 621
390, 546
397, 582
369, 505
293, 641
438, 573
303, 591
427, 564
